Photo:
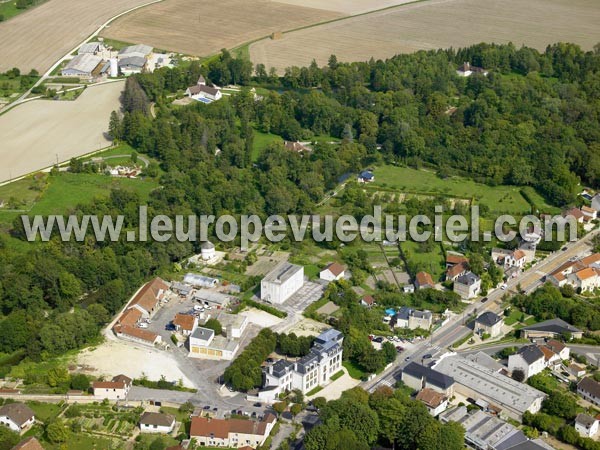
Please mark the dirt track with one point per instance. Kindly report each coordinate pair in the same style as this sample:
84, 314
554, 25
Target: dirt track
201, 27
436, 24
35, 132
38, 38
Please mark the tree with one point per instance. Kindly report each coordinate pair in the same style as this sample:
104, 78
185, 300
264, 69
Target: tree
279, 407
57, 432
80, 382
8, 438
389, 352
560, 404
115, 127
319, 402
296, 409
187, 407
518, 375
215, 325
157, 444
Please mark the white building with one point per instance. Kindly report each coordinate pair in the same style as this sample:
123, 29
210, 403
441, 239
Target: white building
468, 285
203, 343
207, 251
489, 323
530, 359
586, 426
308, 372
16, 416
116, 389
413, 319
85, 65
152, 422
332, 272
200, 281
281, 283
232, 433
589, 389
435, 402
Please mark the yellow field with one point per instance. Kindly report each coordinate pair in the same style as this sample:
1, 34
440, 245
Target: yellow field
204, 27
34, 133
38, 38
436, 24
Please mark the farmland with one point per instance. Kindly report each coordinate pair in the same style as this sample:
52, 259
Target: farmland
435, 24
36, 132
41, 36
204, 28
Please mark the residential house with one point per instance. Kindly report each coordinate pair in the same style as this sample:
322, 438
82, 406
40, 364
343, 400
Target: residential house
468, 285
552, 328
207, 250
583, 274
596, 202
530, 359
466, 70
116, 389
234, 433
575, 213
457, 270
332, 272
31, 443
559, 348
586, 426
281, 283
315, 369
489, 323
16, 416
551, 359
436, 402
185, 323
204, 94
368, 301
417, 377
152, 422
589, 213
589, 389
413, 319
366, 177
423, 281
454, 259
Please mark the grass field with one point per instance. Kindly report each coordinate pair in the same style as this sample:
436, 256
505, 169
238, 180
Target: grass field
8, 9
353, 370
261, 141
435, 24
506, 199
432, 261
36, 133
204, 28
44, 34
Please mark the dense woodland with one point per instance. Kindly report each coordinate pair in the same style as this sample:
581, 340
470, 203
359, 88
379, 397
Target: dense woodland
532, 121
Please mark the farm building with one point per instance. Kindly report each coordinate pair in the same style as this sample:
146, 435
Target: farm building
199, 281
91, 47
139, 50
131, 65
85, 65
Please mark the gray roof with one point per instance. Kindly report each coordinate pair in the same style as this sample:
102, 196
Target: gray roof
531, 353
328, 335
590, 385
488, 319
203, 334
486, 361
18, 413
85, 63
282, 273
554, 326
468, 279
90, 47
207, 245
132, 61
140, 49
404, 313
585, 420
431, 376
281, 367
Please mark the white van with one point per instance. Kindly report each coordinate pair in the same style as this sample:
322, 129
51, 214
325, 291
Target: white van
143, 325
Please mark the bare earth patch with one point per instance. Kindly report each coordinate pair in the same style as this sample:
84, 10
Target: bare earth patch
117, 357
349, 7
40, 37
436, 24
204, 28
34, 133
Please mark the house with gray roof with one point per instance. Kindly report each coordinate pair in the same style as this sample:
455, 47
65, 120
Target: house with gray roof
589, 389
468, 285
412, 318
418, 376
551, 329
16, 416
530, 359
489, 323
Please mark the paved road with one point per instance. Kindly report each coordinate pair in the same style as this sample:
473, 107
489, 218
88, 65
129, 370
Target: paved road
455, 329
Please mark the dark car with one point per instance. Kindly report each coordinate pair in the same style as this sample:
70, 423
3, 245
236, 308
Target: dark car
407, 358
253, 414
215, 409
170, 327
564, 249
399, 349
379, 340
484, 299
258, 405
206, 407
427, 356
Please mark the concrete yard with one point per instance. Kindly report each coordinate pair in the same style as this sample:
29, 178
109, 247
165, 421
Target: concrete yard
35, 133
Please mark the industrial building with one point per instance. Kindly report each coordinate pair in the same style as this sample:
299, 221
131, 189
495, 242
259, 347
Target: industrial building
281, 283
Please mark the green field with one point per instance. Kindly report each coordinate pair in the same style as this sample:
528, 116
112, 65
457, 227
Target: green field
503, 199
262, 141
44, 411
354, 371
9, 9
432, 261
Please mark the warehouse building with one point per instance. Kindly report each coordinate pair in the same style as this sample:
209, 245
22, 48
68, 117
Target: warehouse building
281, 283
85, 65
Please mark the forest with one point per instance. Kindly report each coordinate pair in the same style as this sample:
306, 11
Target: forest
533, 121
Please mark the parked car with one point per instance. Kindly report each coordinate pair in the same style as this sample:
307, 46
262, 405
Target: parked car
407, 358
198, 308
484, 299
399, 349
258, 405
379, 340
206, 408
143, 325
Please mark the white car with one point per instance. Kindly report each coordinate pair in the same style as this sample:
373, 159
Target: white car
143, 325
504, 286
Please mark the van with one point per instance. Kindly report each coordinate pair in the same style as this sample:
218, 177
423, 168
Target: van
143, 325
198, 308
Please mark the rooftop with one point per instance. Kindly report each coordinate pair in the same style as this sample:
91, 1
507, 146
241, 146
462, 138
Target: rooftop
488, 319
139, 48
85, 62
432, 376
335, 268
158, 419
19, 413
590, 385
431, 398
203, 334
497, 388
282, 273
553, 325
468, 279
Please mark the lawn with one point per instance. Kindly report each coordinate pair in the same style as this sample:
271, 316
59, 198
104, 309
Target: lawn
262, 141
507, 199
314, 391
9, 9
431, 261
337, 375
354, 371
44, 411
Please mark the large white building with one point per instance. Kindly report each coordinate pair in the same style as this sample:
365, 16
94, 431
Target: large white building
231, 433
310, 371
116, 389
205, 344
281, 283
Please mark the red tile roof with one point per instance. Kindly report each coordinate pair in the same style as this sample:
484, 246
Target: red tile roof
518, 254
138, 333
30, 443
148, 296
368, 299
184, 321
335, 268
453, 259
423, 278
220, 428
130, 317
456, 270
